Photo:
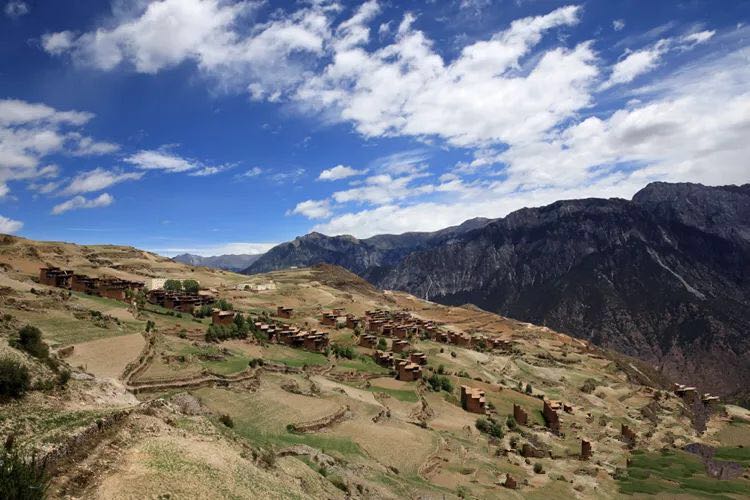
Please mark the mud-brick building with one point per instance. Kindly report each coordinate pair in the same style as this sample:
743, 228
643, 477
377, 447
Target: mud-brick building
400, 346
284, 312
628, 434
54, 276
408, 371
418, 358
222, 318
328, 319
586, 452
368, 341
551, 413
473, 399
383, 358
353, 322
520, 415
84, 284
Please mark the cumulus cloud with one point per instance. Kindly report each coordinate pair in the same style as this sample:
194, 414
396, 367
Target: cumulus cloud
210, 33
522, 103
406, 88
313, 209
98, 179
78, 202
339, 172
15, 9
165, 160
32, 132
9, 226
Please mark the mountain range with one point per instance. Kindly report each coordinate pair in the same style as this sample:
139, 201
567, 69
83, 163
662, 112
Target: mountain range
229, 262
664, 277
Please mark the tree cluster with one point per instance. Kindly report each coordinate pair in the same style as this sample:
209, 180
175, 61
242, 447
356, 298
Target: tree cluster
239, 329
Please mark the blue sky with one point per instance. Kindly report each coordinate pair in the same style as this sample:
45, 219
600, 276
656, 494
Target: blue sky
218, 126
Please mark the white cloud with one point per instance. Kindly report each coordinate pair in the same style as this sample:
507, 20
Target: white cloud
98, 179
636, 63
253, 172
213, 34
618, 24
407, 89
15, 9
78, 202
58, 43
163, 159
235, 248
9, 226
32, 132
698, 37
312, 209
339, 172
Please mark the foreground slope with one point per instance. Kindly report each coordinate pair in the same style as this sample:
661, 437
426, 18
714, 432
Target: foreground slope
664, 277
165, 413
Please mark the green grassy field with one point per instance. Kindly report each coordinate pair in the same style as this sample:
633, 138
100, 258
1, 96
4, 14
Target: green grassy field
674, 473
399, 394
293, 357
365, 364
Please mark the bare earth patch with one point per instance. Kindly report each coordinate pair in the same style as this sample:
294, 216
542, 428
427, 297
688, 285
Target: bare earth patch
107, 358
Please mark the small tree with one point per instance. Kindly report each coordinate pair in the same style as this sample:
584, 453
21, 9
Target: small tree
191, 286
14, 379
173, 285
529, 389
30, 340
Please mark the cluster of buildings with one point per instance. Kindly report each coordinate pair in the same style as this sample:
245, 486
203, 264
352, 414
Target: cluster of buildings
109, 287
179, 301
691, 393
402, 325
291, 335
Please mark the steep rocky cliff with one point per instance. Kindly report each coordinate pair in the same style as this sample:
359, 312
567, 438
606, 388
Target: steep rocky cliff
665, 277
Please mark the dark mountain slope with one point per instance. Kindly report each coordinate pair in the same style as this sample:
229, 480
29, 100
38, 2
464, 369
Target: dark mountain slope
371, 258
664, 277
229, 262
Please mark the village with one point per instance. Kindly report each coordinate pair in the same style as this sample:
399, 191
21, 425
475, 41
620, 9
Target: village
387, 336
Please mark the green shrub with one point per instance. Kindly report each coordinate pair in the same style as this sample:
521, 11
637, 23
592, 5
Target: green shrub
529, 389
489, 426
268, 458
342, 352
190, 286
63, 377
511, 423
538, 468
226, 420
382, 344
21, 478
439, 383
589, 385
30, 340
14, 379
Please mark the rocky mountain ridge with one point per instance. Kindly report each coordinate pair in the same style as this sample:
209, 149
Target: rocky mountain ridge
664, 277
228, 262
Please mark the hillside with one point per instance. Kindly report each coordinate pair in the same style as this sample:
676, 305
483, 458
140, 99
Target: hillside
664, 277
162, 413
